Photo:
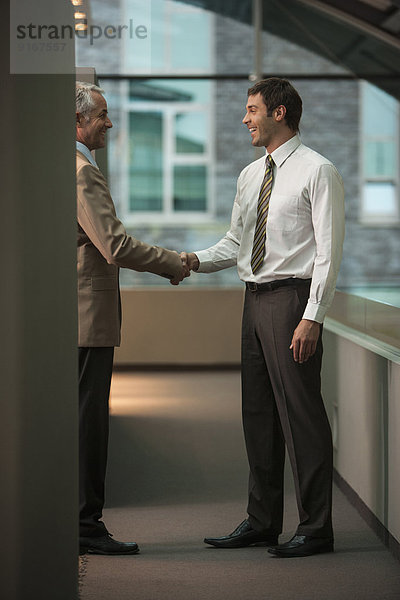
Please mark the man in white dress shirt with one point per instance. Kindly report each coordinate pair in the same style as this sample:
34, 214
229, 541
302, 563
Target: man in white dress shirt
286, 239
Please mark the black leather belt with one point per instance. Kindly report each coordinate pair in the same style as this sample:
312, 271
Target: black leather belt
252, 286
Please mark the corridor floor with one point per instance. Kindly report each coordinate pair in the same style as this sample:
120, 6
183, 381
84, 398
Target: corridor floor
177, 473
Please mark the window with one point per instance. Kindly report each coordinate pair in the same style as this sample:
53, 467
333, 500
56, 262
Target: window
169, 150
379, 156
178, 145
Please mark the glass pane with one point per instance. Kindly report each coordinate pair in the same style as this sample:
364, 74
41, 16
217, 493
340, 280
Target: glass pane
164, 90
158, 20
380, 112
145, 151
380, 158
234, 38
190, 185
190, 132
180, 38
191, 40
136, 35
380, 200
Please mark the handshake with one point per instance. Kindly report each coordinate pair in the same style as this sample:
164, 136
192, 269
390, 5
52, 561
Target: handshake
190, 262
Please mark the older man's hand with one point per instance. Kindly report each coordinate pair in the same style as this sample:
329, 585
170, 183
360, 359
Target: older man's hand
185, 270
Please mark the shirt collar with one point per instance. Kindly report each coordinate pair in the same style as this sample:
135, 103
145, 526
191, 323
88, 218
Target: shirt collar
285, 150
86, 152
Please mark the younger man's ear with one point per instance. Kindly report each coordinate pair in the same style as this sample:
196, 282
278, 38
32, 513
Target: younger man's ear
280, 112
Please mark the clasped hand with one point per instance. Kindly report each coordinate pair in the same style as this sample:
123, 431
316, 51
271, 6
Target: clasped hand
190, 262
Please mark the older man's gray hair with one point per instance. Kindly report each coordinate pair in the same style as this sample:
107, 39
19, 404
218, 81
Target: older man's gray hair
84, 99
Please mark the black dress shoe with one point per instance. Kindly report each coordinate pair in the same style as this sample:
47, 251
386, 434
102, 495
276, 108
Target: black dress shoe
244, 535
303, 545
106, 545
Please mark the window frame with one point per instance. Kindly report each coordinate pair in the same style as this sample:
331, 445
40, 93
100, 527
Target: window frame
377, 220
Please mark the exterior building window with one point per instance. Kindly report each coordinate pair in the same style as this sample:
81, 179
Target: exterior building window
379, 157
168, 174
169, 155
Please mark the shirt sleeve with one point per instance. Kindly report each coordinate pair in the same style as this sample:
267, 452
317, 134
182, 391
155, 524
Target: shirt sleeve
327, 207
224, 253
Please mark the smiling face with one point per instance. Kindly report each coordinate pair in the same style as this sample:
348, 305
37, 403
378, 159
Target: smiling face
259, 122
267, 128
91, 131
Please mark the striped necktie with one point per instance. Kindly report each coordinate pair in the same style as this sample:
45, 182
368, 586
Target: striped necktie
257, 255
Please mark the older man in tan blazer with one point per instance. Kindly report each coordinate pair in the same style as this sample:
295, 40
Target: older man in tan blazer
103, 247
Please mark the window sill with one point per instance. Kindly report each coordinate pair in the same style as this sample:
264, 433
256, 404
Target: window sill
183, 219
380, 223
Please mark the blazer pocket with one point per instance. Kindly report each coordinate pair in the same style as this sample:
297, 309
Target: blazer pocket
104, 283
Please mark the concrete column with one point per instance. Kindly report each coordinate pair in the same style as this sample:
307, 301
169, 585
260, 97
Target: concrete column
38, 419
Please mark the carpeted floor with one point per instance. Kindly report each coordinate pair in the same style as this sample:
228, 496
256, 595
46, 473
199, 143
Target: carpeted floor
177, 473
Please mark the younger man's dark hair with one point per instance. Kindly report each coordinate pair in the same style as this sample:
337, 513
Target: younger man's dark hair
276, 91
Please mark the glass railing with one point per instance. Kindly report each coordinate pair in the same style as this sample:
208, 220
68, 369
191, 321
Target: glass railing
374, 321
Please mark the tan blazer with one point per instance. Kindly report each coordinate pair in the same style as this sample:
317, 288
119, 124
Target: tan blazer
103, 247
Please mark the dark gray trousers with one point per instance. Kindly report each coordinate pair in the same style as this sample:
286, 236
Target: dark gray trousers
95, 369
282, 404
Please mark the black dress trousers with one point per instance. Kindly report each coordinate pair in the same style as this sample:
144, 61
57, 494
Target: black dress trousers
282, 405
95, 370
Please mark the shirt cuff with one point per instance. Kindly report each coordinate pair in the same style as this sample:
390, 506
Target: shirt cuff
315, 312
205, 261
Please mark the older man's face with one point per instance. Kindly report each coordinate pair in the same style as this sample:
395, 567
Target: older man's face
92, 132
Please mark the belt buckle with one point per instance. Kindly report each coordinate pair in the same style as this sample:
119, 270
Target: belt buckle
252, 286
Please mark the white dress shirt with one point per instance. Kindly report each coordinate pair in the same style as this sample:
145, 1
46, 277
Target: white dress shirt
305, 225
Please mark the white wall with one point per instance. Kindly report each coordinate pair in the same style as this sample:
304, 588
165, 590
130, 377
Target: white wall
362, 391
180, 326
